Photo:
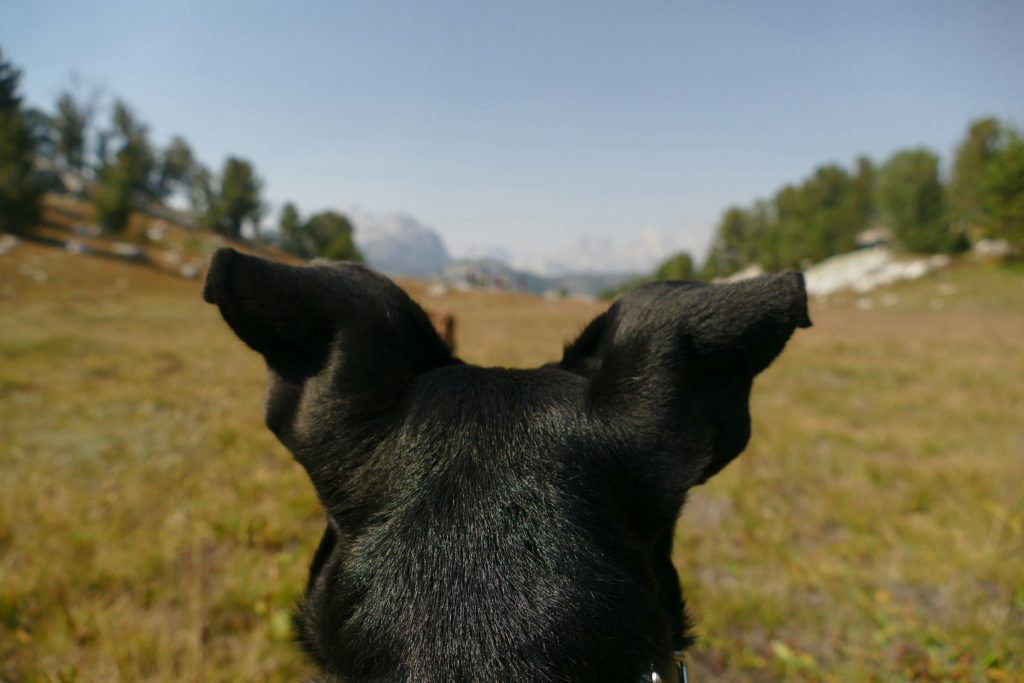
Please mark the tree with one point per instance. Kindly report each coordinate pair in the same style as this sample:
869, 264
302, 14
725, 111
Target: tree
176, 166
238, 199
327, 234
330, 234
124, 180
709, 270
10, 79
911, 199
817, 218
677, 267
40, 126
1001, 190
133, 151
731, 238
21, 187
113, 196
70, 128
289, 225
201, 197
125, 124
864, 182
969, 165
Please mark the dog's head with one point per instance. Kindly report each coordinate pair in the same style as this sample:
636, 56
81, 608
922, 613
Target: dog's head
486, 523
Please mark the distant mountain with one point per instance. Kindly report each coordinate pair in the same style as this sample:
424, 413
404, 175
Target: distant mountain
641, 253
489, 272
488, 252
398, 244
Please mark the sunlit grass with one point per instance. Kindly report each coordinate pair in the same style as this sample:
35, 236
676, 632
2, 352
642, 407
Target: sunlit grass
151, 529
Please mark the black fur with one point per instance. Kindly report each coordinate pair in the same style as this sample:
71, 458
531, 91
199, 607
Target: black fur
487, 524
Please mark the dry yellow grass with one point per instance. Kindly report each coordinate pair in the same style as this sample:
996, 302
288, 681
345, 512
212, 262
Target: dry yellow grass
152, 530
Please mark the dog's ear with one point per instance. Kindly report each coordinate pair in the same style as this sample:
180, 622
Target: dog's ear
341, 317
672, 363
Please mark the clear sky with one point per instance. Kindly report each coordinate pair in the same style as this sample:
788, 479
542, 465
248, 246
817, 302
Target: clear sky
530, 124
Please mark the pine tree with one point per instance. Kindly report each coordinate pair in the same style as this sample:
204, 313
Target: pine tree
21, 186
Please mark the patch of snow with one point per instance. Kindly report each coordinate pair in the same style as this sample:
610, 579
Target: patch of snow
751, 271
7, 243
865, 270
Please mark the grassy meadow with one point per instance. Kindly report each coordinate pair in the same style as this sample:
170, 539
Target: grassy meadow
151, 529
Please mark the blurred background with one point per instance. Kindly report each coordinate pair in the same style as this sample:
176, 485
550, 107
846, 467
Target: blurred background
515, 167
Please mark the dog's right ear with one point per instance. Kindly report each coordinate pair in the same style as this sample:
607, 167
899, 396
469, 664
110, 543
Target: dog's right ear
344, 318
671, 365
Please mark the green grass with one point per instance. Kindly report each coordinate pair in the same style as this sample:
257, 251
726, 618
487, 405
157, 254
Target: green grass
151, 529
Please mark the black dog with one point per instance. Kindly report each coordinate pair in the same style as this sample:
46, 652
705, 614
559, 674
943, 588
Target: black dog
487, 524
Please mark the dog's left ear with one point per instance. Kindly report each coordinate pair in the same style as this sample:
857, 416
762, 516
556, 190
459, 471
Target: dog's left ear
671, 365
343, 318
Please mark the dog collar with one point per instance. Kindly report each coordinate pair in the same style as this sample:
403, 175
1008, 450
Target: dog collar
683, 675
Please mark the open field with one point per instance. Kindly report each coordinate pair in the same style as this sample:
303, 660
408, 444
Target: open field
151, 529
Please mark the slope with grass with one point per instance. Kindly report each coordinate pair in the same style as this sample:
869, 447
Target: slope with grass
151, 529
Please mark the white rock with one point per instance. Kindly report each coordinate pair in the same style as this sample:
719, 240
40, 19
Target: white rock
128, 251
189, 271
77, 247
86, 231
991, 247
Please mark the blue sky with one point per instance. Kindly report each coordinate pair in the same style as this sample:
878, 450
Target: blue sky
531, 124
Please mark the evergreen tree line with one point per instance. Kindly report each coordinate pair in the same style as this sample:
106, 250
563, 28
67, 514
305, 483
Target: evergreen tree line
908, 196
923, 209
114, 164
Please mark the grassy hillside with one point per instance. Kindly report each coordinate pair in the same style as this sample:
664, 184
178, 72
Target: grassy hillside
151, 529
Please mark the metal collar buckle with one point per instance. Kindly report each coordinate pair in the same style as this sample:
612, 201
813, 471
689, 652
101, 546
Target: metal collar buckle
683, 672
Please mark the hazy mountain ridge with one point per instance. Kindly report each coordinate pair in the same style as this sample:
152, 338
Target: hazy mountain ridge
641, 252
399, 244
489, 272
